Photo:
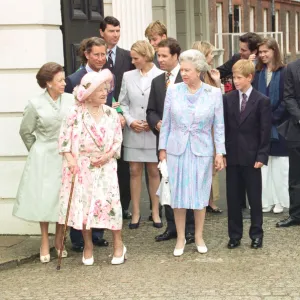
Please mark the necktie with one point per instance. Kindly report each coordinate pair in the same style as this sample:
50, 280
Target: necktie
168, 74
110, 61
244, 102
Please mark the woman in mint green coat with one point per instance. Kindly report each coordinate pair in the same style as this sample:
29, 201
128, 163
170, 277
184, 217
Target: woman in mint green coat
38, 194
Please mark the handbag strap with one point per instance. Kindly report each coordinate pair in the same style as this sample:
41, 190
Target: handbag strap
90, 134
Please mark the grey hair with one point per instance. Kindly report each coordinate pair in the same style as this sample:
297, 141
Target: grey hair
196, 58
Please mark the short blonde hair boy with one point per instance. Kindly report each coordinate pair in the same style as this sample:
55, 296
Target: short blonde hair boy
244, 67
155, 27
145, 49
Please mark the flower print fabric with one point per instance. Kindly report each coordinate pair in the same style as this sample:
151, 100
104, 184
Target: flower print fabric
96, 200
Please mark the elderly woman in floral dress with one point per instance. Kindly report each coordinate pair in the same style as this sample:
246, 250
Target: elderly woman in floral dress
90, 141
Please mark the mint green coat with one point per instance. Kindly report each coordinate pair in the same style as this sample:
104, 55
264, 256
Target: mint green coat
38, 193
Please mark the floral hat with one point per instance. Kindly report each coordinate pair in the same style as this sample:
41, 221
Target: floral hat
90, 82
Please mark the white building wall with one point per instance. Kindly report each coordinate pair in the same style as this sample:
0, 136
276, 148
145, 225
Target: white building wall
30, 36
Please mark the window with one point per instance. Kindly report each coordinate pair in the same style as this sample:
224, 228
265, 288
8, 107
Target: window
252, 19
237, 18
277, 20
219, 25
287, 32
265, 29
297, 32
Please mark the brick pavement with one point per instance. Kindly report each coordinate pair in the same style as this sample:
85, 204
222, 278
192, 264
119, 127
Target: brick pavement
151, 272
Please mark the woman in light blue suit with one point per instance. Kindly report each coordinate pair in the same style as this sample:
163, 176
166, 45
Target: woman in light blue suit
192, 108
139, 141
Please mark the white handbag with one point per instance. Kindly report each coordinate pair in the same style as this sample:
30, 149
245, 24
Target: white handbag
164, 192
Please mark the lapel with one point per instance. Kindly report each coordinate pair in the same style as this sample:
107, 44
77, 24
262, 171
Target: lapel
178, 78
235, 105
55, 108
151, 74
298, 69
119, 61
249, 106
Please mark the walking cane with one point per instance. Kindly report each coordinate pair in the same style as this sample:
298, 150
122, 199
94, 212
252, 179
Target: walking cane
66, 225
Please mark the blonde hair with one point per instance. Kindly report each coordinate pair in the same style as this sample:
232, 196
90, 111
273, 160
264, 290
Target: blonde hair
145, 49
155, 27
204, 47
244, 67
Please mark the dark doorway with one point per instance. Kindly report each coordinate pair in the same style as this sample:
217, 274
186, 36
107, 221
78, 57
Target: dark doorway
80, 20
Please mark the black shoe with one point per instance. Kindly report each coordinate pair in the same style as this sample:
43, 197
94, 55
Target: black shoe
100, 243
290, 221
127, 214
158, 225
233, 243
77, 248
150, 218
190, 238
214, 210
167, 235
257, 243
134, 225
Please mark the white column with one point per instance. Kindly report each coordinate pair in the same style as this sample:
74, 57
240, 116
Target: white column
30, 36
134, 16
190, 23
171, 18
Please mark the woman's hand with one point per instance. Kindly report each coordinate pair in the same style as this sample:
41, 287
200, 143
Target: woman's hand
122, 120
137, 126
215, 75
72, 164
162, 155
219, 162
100, 161
146, 126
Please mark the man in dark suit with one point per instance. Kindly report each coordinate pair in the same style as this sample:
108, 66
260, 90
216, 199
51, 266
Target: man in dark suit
93, 56
247, 117
155, 33
168, 51
119, 62
291, 97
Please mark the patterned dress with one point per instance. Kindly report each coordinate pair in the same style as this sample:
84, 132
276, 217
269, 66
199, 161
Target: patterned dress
186, 135
96, 200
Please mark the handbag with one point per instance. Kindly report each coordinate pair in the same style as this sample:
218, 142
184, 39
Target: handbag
164, 191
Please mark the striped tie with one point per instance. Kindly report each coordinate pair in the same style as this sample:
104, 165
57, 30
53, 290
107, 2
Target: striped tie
110, 61
168, 74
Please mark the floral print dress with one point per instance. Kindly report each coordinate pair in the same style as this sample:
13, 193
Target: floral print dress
96, 200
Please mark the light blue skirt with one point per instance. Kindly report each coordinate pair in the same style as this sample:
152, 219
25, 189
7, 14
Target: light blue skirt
190, 179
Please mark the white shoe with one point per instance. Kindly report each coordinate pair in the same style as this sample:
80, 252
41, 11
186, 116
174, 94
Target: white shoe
44, 258
88, 261
201, 249
179, 252
120, 260
278, 209
267, 209
64, 253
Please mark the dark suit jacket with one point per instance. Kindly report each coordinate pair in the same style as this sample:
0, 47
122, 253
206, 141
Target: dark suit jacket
247, 137
226, 69
291, 97
122, 65
156, 101
75, 78
155, 60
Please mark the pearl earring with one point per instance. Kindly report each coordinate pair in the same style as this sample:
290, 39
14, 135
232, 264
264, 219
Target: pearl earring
49, 86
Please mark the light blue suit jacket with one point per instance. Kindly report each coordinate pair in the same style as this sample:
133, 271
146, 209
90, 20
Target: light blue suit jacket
183, 119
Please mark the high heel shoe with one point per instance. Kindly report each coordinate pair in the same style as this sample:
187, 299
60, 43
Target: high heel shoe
179, 252
64, 253
134, 225
87, 261
120, 260
44, 258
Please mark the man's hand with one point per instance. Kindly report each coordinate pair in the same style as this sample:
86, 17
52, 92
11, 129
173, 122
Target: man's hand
137, 126
258, 165
252, 57
115, 104
158, 125
122, 120
219, 162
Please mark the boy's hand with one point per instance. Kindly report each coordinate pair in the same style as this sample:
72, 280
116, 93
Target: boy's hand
258, 165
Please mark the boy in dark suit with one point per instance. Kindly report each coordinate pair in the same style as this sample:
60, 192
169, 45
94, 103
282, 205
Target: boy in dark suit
247, 116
